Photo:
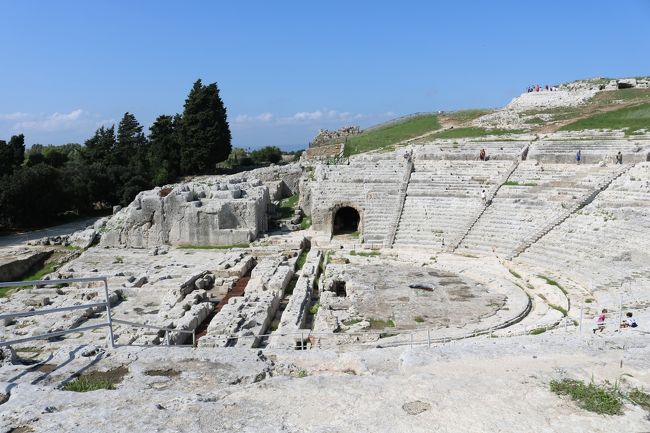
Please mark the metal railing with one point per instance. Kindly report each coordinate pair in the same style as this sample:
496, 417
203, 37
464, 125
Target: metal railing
168, 332
106, 304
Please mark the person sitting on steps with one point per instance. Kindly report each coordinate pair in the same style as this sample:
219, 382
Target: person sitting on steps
619, 157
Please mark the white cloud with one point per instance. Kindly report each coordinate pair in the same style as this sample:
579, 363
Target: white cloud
14, 116
322, 116
47, 122
260, 118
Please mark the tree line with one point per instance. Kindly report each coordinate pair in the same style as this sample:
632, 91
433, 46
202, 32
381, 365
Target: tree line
42, 183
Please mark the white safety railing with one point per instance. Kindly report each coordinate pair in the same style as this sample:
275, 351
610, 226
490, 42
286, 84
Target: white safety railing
106, 304
110, 321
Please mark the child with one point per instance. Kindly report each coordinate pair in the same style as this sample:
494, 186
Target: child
629, 321
600, 321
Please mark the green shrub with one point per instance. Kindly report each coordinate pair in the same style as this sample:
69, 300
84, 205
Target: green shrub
591, 397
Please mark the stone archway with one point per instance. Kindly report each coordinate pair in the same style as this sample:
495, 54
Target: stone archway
345, 220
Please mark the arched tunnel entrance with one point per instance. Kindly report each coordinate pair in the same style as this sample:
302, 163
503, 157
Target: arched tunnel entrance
346, 220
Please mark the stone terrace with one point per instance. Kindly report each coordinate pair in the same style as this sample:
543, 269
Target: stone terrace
593, 151
443, 197
604, 244
535, 194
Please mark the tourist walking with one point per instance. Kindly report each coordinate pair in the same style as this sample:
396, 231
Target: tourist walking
600, 321
619, 157
578, 156
481, 155
483, 196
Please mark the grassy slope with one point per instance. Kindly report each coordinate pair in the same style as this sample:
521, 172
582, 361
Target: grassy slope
603, 102
391, 134
627, 108
472, 132
634, 118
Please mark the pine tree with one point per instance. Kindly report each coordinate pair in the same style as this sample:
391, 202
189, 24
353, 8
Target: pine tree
164, 149
17, 145
204, 130
131, 145
100, 146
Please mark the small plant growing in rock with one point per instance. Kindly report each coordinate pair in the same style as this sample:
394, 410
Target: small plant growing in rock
419, 319
537, 331
594, 398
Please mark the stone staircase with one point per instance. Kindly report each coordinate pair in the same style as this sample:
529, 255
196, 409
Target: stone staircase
442, 196
489, 197
392, 230
584, 201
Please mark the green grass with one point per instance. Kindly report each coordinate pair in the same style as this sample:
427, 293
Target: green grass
390, 134
314, 309
466, 115
515, 183
639, 397
288, 205
97, 380
560, 309
594, 398
212, 247
472, 132
305, 223
419, 319
552, 282
381, 324
632, 118
514, 274
351, 322
365, 254
48, 268
302, 258
537, 331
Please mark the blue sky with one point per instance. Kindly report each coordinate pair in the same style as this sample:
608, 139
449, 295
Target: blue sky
287, 68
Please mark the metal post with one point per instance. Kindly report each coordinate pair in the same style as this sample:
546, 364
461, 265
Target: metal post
411, 340
620, 310
302, 341
582, 308
429, 338
109, 318
166, 337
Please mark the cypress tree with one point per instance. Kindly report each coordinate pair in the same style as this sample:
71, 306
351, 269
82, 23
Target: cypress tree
164, 149
204, 130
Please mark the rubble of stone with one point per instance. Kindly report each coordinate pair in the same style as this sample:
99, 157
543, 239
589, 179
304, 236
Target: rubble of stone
15, 262
326, 136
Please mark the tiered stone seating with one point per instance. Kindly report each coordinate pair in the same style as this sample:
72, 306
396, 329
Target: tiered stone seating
535, 194
372, 186
442, 198
604, 246
469, 150
593, 151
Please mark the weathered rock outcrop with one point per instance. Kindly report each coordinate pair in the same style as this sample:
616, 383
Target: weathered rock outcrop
219, 212
210, 210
